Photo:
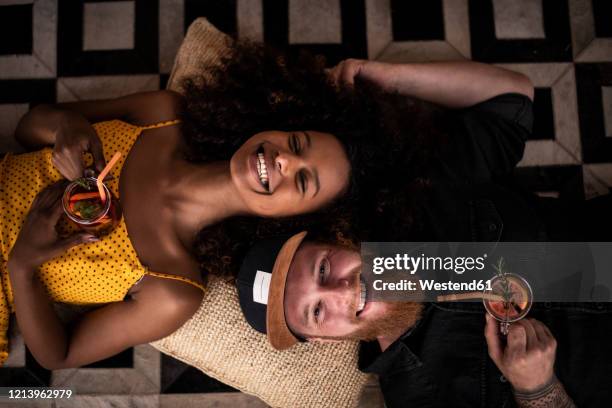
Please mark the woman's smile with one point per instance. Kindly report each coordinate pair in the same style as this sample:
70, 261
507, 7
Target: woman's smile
303, 172
260, 166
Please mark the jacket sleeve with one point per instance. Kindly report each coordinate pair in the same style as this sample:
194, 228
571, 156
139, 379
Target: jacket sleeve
488, 139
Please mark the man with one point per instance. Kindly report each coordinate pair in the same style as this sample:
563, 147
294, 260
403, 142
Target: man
436, 354
432, 354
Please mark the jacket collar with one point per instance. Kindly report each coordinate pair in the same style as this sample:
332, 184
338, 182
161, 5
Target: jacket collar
397, 357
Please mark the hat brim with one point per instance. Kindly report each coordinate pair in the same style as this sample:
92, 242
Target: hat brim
279, 335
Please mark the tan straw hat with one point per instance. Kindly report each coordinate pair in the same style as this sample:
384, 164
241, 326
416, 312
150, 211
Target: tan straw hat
261, 288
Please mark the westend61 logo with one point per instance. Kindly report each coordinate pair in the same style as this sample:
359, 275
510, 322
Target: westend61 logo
414, 264
423, 271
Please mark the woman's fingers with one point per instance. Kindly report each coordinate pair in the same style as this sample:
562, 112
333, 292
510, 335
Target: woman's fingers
48, 197
57, 209
65, 244
95, 148
69, 159
68, 163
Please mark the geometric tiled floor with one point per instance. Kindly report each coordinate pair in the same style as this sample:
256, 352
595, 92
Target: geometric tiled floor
66, 50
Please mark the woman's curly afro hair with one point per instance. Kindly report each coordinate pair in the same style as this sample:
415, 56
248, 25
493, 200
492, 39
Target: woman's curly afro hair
255, 89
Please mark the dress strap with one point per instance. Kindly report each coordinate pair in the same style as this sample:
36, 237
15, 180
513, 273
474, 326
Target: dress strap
161, 124
176, 277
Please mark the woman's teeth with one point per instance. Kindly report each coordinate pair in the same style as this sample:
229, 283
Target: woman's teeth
262, 169
362, 296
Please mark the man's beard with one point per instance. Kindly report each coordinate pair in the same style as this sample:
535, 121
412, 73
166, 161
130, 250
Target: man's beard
398, 317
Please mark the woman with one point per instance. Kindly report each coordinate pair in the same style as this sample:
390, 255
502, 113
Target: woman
225, 159
176, 180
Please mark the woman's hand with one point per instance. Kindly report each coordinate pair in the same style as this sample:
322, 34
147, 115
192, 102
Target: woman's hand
528, 358
38, 240
346, 71
75, 136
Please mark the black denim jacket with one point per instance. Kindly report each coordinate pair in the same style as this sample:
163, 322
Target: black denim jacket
443, 360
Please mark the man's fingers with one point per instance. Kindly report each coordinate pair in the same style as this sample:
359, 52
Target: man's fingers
543, 332
348, 77
517, 339
532, 337
347, 74
546, 330
337, 74
334, 74
494, 345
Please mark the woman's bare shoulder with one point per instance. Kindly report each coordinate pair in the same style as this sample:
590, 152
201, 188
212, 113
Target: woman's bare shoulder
153, 107
171, 295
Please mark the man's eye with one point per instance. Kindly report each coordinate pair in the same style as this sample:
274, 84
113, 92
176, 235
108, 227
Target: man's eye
317, 313
322, 270
303, 181
294, 144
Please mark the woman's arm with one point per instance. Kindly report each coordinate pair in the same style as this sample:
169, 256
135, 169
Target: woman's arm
40, 126
454, 84
101, 333
151, 314
67, 126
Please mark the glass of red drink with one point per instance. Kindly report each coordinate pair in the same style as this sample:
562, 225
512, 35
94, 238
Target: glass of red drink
508, 300
84, 206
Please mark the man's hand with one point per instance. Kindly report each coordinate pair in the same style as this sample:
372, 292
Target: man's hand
528, 358
346, 71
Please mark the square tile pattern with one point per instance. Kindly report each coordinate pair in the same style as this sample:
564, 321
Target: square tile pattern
16, 24
69, 50
108, 26
518, 19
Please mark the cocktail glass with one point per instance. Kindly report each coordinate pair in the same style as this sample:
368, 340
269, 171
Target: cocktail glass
509, 299
84, 206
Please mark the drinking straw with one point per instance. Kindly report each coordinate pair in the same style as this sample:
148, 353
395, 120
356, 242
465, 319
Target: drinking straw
470, 295
84, 196
103, 174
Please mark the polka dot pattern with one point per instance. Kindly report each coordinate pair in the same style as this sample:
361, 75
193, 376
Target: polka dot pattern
92, 273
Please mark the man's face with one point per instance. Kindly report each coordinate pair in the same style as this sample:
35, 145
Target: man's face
324, 299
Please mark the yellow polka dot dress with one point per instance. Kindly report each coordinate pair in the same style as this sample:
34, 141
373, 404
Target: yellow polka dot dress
93, 273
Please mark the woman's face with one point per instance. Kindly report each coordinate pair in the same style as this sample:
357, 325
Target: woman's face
287, 173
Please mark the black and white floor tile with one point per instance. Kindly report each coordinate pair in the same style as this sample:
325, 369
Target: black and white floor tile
67, 50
